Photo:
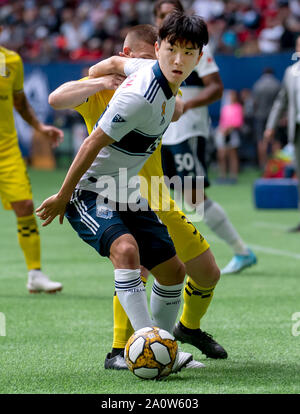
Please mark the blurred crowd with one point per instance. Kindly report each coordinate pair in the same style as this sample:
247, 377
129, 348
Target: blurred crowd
86, 30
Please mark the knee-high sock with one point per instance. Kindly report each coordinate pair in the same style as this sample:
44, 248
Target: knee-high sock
165, 302
122, 325
217, 220
196, 301
132, 296
29, 240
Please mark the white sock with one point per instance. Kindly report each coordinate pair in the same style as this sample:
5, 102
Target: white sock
217, 220
132, 296
165, 303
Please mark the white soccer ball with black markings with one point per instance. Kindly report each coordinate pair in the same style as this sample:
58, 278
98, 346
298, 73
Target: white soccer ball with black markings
150, 353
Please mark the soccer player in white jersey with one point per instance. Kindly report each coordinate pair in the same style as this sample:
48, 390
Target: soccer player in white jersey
184, 144
124, 137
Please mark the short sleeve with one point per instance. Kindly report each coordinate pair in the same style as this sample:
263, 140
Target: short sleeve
126, 112
135, 64
207, 63
18, 84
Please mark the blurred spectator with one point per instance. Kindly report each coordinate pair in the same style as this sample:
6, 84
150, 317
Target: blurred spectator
248, 111
269, 37
264, 93
57, 30
228, 138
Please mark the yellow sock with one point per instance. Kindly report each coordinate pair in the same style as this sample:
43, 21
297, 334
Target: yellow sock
29, 240
196, 302
122, 326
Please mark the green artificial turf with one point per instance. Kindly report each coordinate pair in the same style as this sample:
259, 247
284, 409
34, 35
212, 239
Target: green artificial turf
58, 343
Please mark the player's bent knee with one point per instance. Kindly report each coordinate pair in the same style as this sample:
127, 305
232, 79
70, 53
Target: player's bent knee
23, 208
215, 275
124, 253
171, 272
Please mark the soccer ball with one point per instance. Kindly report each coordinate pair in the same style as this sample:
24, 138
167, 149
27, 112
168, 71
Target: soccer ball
150, 353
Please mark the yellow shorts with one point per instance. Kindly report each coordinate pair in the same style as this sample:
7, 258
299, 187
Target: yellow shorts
14, 181
189, 243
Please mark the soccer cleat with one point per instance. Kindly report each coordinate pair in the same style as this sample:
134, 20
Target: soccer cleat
239, 262
201, 340
194, 364
38, 282
295, 229
117, 362
181, 361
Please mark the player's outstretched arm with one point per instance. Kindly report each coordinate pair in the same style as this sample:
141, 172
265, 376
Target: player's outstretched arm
56, 204
212, 92
21, 104
114, 64
74, 93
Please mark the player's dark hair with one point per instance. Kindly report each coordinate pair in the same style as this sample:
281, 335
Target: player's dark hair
176, 3
144, 32
182, 28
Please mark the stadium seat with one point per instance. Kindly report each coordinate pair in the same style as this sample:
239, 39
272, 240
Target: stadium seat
276, 193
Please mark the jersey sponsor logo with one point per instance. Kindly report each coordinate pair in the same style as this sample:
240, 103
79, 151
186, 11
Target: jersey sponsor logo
137, 143
117, 118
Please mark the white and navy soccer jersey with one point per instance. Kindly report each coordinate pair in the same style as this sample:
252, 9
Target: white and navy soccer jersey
136, 118
194, 122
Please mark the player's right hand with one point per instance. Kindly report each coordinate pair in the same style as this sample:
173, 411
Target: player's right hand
269, 134
50, 208
111, 81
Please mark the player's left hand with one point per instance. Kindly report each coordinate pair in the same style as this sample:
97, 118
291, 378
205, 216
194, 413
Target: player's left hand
50, 208
53, 134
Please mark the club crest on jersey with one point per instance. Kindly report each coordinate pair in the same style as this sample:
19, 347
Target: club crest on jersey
117, 118
163, 112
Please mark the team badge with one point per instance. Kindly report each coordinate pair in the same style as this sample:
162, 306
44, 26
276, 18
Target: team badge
104, 212
163, 112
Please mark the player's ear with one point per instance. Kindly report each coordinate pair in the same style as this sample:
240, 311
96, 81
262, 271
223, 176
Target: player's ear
156, 49
199, 57
127, 51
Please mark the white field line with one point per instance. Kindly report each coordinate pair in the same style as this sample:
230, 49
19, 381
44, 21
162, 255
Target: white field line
275, 226
263, 249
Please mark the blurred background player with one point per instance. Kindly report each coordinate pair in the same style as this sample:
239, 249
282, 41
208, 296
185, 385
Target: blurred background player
88, 98
185, 140
15, 188
288, 99
228, 138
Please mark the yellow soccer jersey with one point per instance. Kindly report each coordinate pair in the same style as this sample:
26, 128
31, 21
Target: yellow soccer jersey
92, 109
11, 80
189, 243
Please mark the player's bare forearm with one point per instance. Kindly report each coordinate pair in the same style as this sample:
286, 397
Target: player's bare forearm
212, 92
74, 93
26, 111
55, 205
114, 64
83, 160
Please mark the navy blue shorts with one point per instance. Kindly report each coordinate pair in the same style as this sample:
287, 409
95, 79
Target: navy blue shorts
99, 226
185, 159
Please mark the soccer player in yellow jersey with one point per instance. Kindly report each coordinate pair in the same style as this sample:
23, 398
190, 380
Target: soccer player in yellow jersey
15, 189
90, 98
